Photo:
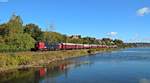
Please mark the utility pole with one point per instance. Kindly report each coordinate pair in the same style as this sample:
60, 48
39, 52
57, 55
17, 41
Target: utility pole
51, 26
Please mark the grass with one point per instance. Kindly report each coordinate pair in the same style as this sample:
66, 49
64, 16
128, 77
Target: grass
15, 60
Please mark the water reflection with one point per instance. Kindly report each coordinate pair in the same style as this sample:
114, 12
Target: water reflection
18, 76
47, 75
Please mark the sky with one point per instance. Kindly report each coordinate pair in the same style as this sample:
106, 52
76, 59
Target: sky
128, 20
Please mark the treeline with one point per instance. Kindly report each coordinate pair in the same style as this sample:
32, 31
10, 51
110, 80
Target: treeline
15, 36
136, 45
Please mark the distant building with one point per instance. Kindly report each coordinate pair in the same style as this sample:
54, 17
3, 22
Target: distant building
75, 36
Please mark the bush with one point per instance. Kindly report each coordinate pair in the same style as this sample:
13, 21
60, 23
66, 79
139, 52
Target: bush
17, 42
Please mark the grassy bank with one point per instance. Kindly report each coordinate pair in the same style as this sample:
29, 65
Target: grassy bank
36, 59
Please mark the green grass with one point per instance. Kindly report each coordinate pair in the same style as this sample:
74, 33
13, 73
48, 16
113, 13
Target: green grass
33, 59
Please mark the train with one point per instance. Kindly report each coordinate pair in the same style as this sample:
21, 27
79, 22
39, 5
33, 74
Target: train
44, 46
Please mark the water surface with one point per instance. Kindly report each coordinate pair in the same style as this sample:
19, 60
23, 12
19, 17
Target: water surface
123, 66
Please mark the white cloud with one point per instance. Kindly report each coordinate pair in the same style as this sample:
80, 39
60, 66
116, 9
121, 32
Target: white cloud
143, 11
112, 33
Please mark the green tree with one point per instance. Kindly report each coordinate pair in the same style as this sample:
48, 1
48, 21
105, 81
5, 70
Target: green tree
15, 24
72, 40
89, 40
34, 31
4, 30
20, 42
107, 41
118, 42
52, 37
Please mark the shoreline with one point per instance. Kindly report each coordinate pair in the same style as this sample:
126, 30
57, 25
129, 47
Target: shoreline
19, 60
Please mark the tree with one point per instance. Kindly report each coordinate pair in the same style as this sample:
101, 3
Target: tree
52, 37
20, 42
15, 24
2, 40
4, 30
72, 40
34, 31
107, 41
118, 42
89, 40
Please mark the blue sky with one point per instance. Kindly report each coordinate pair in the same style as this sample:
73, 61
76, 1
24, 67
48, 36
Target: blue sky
128, 20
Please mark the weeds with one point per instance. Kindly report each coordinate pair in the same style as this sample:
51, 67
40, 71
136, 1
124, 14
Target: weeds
14, 60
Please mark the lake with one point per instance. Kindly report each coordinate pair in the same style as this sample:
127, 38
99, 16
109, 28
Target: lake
124, 66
